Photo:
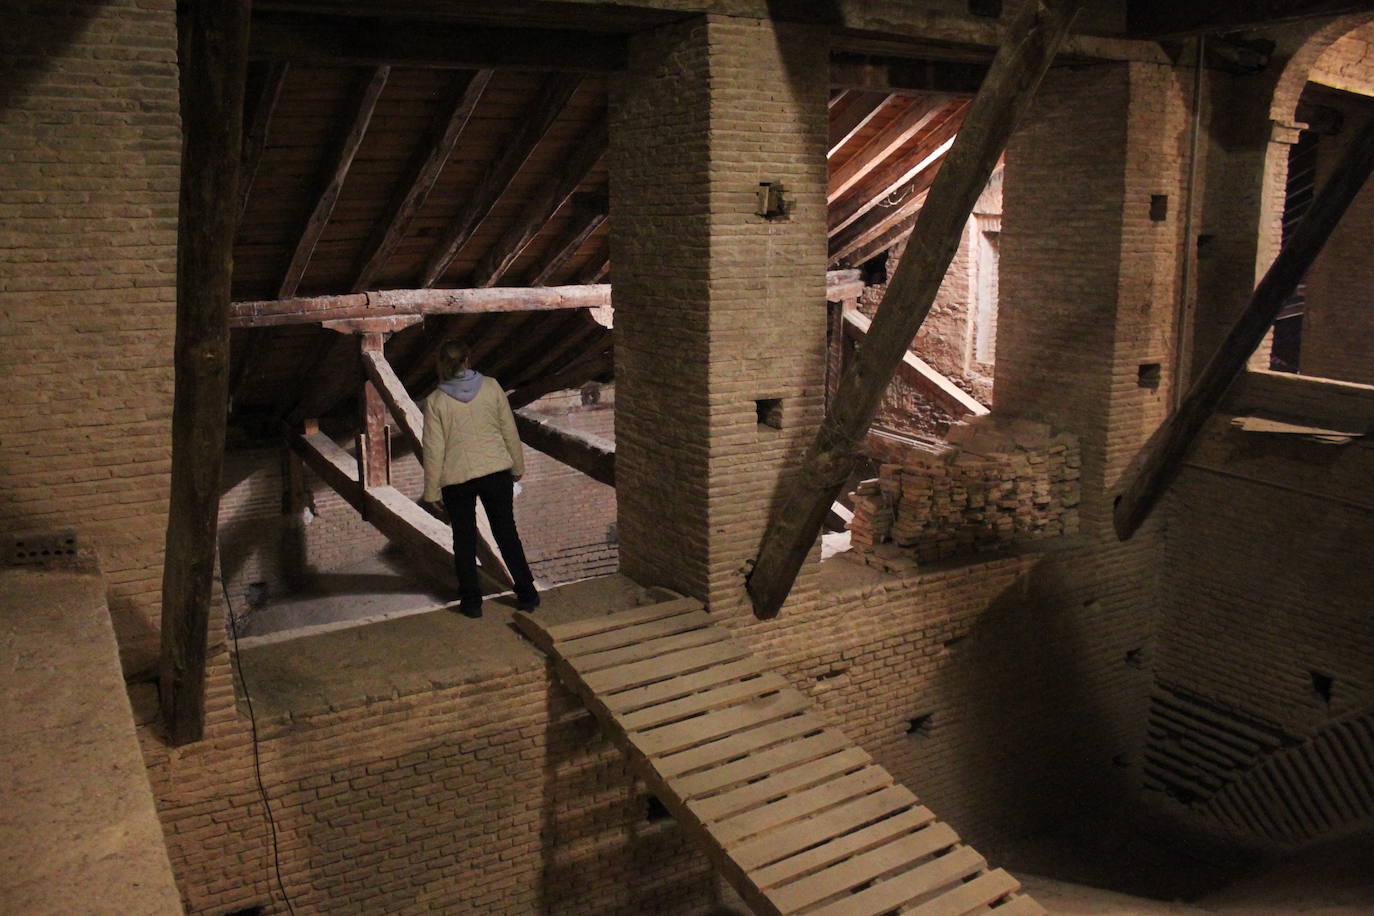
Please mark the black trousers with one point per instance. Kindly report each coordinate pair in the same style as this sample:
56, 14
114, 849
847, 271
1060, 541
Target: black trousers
497, 492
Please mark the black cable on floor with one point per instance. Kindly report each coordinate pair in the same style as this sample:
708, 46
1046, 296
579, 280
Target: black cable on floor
257, 759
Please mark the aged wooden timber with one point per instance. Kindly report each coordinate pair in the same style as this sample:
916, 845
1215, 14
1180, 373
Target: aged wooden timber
1162, 459
590, 454
588, 213
1031, 43
380, 303
213, 46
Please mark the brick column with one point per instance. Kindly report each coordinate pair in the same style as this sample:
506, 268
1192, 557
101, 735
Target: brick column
720, 313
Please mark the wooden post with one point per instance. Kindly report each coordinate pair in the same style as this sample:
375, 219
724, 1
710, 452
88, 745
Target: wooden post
213, 42
1021, 62
376, 442
1163, 459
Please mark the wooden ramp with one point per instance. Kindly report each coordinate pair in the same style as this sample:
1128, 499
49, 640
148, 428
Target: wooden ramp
798, 818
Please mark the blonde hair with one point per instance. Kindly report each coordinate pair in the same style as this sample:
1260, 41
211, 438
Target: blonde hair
452, 359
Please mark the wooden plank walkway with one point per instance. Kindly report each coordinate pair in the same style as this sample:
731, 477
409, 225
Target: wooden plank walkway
798, 818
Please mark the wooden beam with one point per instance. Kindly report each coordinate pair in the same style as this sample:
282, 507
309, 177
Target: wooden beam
1031, 42
571, 337
841, 285
574, 375
596, 269
866, 73
556, 191
374, 445
383, 303
428, 540
894, 232
331, 185
535, 122
465, 92
585, 452
212, 50
879, 223
588, 213
889, 140
1176, 18
255, 132
1160, 461
852, 113
895, 174
921, 375
336, 41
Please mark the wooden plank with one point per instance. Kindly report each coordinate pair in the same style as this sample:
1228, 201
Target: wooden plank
790, 840
629, 636
675, 688
1020, 905
760, 763
666, 666
917, 116
590, 454
720, 723
912, 885
556, 191
847, 845
212, 49
852, 114
722, 695
424, 169
1031, 42
981, 891
800, 805
879, 233
381, 303
1161, 461
649, 649
576, 629
775, 787
352, 40
535, 122
865, 866
331, 185
737, 745
588, 213
920, 374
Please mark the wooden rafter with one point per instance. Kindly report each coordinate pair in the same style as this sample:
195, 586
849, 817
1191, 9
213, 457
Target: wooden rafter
255, 130
588, 213
852, 113
1161, 461
314, 309
332, 185
592, 366
590, 454
556, 191
918, 113
885, 236
548, 104
1031, 42
425, 166
362, 41
596, 268
895, 174
880, 224
212, 49
1173, 18
569, 337
921, 375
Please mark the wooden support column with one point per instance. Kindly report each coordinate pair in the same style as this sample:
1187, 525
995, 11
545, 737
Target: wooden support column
374, 446
1162, 460
1030, 45
213, 48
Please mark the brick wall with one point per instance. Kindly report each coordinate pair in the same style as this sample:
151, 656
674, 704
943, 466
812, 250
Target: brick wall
89, 146
717, 308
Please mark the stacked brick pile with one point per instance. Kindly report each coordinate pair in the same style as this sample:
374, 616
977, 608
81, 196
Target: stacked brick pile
994, 485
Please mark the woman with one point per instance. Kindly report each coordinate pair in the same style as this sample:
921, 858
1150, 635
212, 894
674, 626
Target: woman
471, 450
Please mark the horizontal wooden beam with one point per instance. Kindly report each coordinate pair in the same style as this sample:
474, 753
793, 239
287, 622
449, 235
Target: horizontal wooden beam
1175, 18
585, 452
921, 375
360, 41
843, 284
384, 303
891, 74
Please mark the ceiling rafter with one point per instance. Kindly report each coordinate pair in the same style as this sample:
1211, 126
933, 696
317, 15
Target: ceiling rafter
572, 336
588, 212
885, 143
898, 171
426, 164
555, 192
553, 96
877, 226
256, 126
332, 185
852, 114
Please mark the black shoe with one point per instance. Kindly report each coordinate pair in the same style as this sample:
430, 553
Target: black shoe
528, 602
470, 608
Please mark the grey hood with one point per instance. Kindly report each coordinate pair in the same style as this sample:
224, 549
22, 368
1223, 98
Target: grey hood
465, 386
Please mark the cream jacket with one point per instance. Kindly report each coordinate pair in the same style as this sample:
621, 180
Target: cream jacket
463, 441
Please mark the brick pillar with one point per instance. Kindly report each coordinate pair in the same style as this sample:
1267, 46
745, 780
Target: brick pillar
719, 311
1089, 275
